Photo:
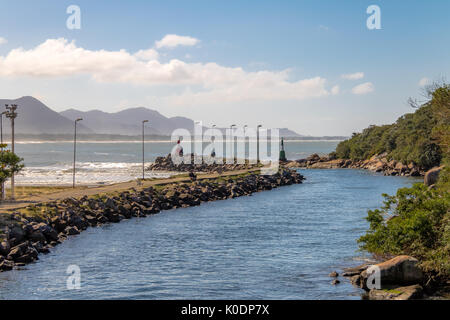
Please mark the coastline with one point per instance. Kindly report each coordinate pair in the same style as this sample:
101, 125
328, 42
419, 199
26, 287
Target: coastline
377, 163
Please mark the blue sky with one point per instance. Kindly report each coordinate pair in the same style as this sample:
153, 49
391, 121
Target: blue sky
279, 63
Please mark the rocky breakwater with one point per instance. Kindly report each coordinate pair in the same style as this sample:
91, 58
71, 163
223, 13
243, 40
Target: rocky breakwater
377, 163
166, 164
400, 278
26, 233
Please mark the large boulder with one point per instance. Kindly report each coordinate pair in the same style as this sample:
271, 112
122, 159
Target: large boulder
42, 232
71, 230
4, 247
17, 234
37, 236
58, 223
400, 167
313, 157
6, 265
376, 166
401, 270
432, 176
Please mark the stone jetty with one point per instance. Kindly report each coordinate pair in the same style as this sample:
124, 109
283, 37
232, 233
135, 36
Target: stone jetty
166, 164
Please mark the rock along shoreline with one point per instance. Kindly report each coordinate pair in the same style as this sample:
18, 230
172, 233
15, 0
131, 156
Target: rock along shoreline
197, 164
28, 232
400, 278
377, 163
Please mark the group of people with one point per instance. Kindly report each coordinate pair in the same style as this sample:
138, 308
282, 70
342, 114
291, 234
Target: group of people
179, 150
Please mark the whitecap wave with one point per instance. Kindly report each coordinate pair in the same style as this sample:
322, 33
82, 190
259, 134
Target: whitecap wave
87, 173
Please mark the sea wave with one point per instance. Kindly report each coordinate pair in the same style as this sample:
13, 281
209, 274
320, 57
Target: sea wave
87, 173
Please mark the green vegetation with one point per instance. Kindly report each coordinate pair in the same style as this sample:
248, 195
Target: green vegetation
412, 138
416, 221
10, 163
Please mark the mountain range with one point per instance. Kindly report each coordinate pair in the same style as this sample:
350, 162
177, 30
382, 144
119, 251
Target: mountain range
35, 118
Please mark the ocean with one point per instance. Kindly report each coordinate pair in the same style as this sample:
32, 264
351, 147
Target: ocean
100, 162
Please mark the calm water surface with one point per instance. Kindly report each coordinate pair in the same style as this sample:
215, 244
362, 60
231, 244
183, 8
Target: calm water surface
278, 244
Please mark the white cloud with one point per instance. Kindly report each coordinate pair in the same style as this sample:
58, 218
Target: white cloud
253, 88
353, 76
363, 88
335, 90
3, 41
173, 40
424, 82
149, 54
61, 58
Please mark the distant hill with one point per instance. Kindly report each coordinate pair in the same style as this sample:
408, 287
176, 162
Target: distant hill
129, 121
34, 117
286, 133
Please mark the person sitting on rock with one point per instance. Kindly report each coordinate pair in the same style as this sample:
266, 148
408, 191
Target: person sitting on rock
193, 176
180, 148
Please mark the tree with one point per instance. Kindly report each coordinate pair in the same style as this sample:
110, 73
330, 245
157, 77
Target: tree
416, 221
9, 163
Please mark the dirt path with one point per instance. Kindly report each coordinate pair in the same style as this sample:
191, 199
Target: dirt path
80, 192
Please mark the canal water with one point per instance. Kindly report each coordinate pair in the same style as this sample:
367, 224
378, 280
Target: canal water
278, 244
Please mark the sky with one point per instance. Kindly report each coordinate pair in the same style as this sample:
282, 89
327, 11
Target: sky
312, 66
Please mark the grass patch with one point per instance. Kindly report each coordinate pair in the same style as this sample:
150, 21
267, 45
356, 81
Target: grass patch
23, 192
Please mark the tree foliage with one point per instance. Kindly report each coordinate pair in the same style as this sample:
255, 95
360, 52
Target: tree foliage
416, 221
422, 137
9, 163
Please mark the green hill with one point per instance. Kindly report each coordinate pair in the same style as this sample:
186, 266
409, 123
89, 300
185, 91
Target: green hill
412, 138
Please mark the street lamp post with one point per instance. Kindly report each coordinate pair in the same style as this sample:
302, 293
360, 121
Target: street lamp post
143, 155
75, 149
245, 141
12, 114
1, 138
1, 126
257, 143
232, 141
